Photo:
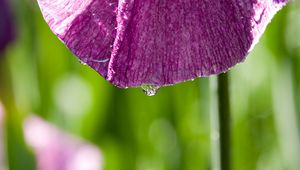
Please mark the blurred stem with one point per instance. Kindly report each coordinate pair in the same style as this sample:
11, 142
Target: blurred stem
285, 113
220, 123
16, 149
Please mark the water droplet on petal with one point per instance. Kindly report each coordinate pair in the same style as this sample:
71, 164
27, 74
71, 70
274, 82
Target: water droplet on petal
150, 90
82, 62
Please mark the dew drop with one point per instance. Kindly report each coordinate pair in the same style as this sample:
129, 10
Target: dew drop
82, 62
150, 90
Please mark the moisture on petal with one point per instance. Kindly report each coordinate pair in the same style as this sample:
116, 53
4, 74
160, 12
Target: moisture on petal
136, 42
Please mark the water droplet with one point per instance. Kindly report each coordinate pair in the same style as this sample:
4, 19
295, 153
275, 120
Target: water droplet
150, 90
82, 62
100, 61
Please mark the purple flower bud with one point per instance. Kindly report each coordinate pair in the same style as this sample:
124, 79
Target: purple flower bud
6, 29
145, 42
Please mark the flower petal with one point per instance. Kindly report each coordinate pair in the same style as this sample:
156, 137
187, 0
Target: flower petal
137, 42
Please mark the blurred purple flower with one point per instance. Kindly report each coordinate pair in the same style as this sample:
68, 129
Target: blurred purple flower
56, 150
6, 28
140, 42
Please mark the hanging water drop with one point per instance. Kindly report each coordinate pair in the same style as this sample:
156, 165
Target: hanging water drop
150, 90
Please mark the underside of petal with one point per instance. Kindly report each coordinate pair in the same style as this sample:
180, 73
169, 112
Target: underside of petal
159, 42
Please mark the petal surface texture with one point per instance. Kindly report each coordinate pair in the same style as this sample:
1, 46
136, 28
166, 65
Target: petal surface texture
159, 42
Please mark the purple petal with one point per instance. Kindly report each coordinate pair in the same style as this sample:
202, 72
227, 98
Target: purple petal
139, 42
6, 29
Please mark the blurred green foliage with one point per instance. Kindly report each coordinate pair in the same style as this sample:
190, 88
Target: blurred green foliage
170, 131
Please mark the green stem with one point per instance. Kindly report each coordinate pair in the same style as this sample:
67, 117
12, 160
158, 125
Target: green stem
224, 121
220, 123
